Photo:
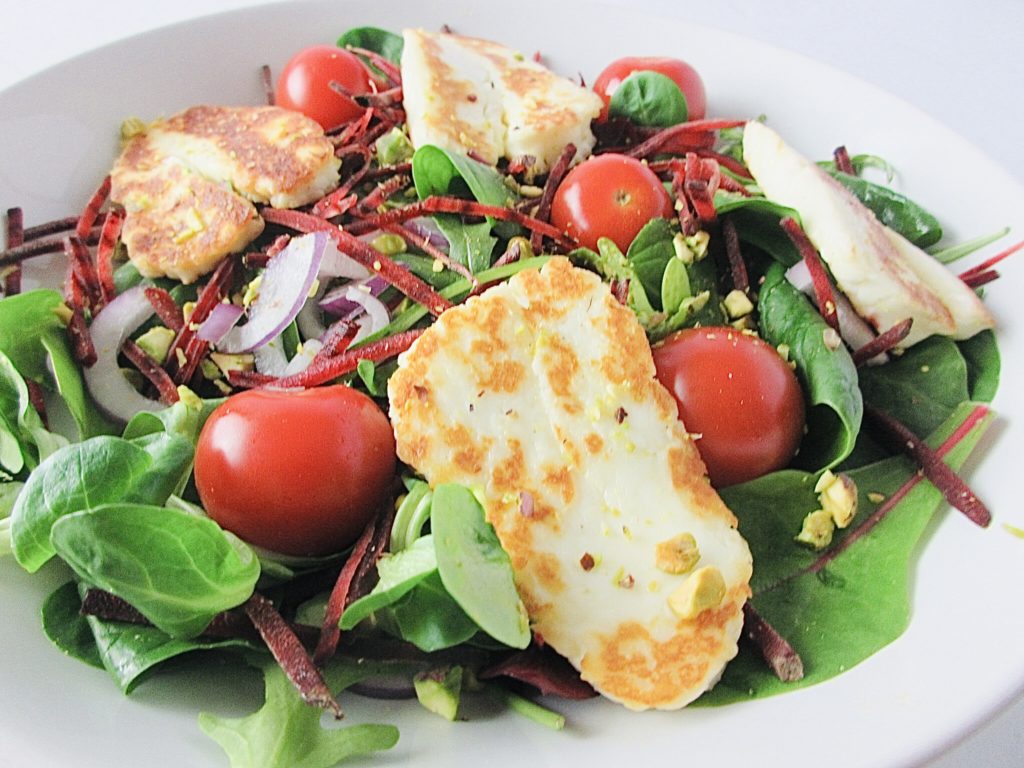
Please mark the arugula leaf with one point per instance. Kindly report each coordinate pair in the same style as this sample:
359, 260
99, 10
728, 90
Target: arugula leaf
649, 98
828, 375
177, 569
474, 568
840, 614
286, 732
82, 476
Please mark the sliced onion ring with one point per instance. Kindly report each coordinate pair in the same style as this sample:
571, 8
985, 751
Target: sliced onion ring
107, 384
284, 288
221, 320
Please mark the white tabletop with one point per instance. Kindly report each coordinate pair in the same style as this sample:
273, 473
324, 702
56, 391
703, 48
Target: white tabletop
959, 62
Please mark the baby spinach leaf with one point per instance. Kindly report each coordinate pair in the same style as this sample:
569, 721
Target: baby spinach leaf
67, 628
474, 567
828, 375
921, 387
177, 569
649, 98
841, 612
82, 476
757, 223
287, 733
398, 574
896, 211
387, 44
429, 618
983, 365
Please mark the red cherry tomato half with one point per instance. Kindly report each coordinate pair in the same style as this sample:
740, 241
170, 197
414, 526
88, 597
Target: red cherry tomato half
735, 391
300, 473
683, 74
609, 196
305, 84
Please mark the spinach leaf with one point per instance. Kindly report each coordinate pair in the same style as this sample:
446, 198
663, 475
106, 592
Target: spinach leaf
828, 375
387, 44
429, 618
896, 211
286, 732
398, 574
858, 602
983, 365
757, 223
85, 475
474, 568
177, 569
649, 98
67, 628
921, 387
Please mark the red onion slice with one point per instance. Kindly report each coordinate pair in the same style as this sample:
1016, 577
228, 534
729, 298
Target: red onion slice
221, 320
284, 288
270, 358
111, 326
337, 264
303, 357
336, 302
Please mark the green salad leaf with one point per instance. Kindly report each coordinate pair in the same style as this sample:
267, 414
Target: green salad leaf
896, 211
387, 44
649, 98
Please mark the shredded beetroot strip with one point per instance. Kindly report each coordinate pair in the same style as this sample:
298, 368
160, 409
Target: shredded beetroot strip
440, 204
883, 342
105, 252
738, 268
819, 277
544, 669
658, 141
92, 209
843, 164
15, 237
166, 307
82, 347
554, 180
50, 228
267, 79
778, 654
386, 66
980, 278
84, 270
39, 247
366, 255
290, 654
149, 368
330, 632
953, 488
417, 240
383, 191
323, 370
208, 298
986, 265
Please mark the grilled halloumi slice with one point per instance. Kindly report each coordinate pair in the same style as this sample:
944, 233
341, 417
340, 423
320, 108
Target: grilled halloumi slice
540, 394
886, 277
188, 183
465, 94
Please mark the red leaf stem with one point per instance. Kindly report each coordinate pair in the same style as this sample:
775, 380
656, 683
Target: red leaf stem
778, 654
953, 488
92, 209
366, 255
981, 278
544, 669
149, 368
883, 342
989, 263
290, 654
819, 277
37, 398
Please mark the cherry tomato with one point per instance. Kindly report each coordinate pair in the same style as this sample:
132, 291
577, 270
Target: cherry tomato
683, 74
609, 196
300, 473
305, 84
735, 391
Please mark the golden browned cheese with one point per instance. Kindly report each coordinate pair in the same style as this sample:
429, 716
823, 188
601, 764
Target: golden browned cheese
188, 183
540, 394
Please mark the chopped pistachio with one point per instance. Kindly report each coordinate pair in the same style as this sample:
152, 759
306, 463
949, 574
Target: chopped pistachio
817, 529
187, 309
875, 497
393, 147
132, 127
389, 243
209, 370
783, 350
677, 555
438, 690
837, 495
189, 398
156, 342
832, 339
698, 244
738, 304
682, 250
704, 589
530, 191
525, 249
228, 362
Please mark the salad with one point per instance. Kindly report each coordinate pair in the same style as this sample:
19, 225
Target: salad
669, 263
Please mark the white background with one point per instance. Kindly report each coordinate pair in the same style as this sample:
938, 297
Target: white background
959, 62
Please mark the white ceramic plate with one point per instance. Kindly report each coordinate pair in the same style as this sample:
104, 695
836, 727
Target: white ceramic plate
959, 661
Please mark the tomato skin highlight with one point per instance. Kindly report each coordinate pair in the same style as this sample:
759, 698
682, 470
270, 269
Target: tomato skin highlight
296, 472
735, 391
685, 76
611, 196
305, 84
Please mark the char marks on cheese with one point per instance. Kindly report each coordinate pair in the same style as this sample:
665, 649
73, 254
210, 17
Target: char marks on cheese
629, 563
464, 94
188, 183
